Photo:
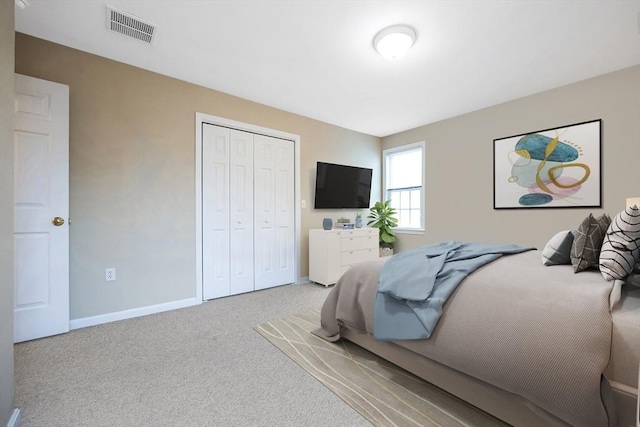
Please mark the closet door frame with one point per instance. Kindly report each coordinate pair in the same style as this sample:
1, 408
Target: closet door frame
201, 120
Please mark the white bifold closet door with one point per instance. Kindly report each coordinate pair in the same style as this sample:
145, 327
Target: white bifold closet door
274, 211
247, 217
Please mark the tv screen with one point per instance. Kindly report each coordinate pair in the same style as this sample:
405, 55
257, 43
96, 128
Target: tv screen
342, 187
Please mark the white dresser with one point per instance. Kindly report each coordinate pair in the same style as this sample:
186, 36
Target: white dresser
332, 252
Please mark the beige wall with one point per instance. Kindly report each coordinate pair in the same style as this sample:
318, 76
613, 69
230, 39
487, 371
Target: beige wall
6, 210
459, 161
132, 173
132, 168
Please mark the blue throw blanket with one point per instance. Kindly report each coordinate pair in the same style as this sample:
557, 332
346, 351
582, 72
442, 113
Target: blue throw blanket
414, 285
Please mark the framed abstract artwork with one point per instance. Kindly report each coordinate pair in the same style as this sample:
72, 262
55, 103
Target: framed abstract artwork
551, 168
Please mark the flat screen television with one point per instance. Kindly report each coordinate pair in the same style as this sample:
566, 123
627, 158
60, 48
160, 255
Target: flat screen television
342, 187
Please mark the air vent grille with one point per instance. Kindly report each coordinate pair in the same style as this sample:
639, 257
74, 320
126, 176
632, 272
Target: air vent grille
130, 25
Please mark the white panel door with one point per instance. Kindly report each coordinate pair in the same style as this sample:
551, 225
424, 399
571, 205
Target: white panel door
274, 218
41, 208
241, 221
215, 208
285, 212
265, 212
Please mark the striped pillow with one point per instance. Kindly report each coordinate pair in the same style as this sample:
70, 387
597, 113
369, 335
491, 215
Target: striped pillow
621, 247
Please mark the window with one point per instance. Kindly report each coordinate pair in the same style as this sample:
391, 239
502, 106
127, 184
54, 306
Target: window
403, 171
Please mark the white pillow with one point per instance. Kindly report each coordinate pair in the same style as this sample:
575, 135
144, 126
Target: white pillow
621, 246
614, 296
557, 251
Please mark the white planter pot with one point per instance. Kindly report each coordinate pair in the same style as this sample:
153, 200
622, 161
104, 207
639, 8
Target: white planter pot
386, 252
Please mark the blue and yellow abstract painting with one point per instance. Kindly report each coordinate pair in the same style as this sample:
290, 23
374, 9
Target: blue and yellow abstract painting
557, 167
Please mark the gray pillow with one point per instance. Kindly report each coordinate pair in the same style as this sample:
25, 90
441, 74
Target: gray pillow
587, 242
557, 251
633, 280
621, 247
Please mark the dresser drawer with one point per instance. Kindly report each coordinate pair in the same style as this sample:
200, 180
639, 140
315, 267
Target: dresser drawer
357, 243
354, 257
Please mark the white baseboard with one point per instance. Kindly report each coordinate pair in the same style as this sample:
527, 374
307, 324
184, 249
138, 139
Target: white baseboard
302, 280
134, 312
14, 421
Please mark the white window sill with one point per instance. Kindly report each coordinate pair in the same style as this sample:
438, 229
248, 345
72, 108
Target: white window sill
409, 230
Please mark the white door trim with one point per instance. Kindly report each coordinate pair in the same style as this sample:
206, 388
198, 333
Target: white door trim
202, 118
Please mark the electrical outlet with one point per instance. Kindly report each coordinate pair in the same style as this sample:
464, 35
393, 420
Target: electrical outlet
110, 274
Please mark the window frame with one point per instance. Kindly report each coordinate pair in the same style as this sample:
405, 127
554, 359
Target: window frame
385, 191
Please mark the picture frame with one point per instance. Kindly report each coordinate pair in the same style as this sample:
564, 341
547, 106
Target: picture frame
558, 167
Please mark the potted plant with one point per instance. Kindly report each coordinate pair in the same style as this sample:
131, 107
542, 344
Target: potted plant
383, 217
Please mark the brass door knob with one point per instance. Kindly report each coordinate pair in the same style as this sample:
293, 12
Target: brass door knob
57, 221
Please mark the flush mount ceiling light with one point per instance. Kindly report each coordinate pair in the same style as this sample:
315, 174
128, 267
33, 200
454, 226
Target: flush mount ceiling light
22, 4
393, 42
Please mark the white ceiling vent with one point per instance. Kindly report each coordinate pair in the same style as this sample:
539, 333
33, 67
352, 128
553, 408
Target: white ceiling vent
130, 25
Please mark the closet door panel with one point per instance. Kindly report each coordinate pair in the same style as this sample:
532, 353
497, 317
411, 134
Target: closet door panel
241, 208
215, 207
264, 199
273, 212
285, 217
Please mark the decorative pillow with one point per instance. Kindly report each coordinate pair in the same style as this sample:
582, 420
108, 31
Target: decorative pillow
587, 242
621, 247
558, 249
633, 280
616, 294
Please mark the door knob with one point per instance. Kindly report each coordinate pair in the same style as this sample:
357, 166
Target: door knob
57, 221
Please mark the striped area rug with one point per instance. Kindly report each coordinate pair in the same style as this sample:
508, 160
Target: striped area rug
383, 393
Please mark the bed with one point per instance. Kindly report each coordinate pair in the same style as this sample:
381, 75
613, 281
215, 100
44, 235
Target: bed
529, 344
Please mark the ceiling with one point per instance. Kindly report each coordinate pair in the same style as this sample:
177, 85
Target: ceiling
316, 58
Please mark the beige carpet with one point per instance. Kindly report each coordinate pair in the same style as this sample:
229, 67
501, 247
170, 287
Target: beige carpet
380, 391
202, 366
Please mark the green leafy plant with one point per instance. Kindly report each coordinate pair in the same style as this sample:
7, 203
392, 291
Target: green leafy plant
382, 216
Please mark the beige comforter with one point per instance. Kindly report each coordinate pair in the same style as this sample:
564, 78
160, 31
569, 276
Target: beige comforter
543, 333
